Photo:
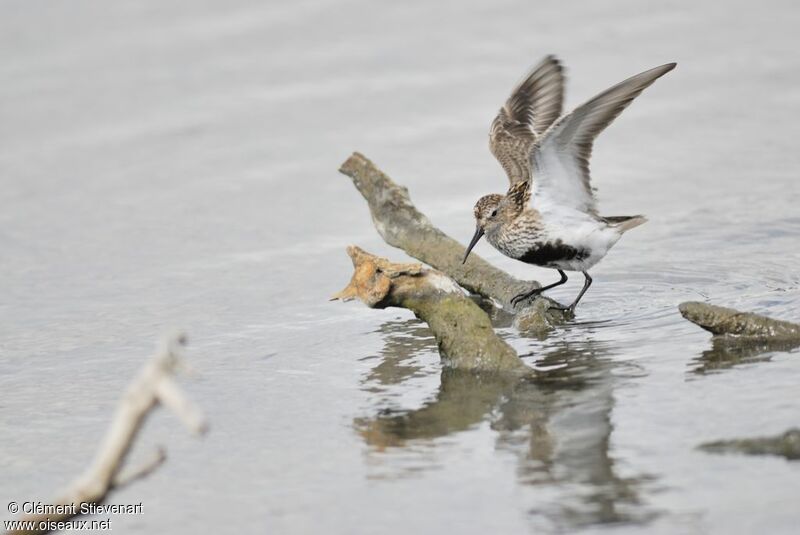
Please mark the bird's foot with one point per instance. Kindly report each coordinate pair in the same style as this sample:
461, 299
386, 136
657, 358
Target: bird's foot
569, 310
517, 299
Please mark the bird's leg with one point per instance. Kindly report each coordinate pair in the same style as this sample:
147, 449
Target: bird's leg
536, 291
586, 284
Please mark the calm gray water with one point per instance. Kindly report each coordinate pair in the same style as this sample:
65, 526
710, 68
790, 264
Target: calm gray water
165, 164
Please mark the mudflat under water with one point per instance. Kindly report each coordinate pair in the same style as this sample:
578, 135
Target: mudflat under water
165, 164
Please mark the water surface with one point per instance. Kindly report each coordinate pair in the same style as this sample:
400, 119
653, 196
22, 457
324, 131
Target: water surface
165, 164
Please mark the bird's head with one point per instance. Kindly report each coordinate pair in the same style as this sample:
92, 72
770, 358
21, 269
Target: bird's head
494, 210
489, 215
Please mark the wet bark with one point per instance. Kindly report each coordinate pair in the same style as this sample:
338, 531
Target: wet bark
463, 332
401, 225
727, 321
153, 386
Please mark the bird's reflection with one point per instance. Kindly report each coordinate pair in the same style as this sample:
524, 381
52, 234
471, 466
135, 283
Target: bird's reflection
558, 425
727, 352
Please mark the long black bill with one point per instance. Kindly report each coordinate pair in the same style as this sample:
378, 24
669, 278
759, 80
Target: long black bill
475, 238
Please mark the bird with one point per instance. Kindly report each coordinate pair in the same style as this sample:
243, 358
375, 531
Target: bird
548, 217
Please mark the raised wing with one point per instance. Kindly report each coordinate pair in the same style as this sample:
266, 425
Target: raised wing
560, 159
532, 107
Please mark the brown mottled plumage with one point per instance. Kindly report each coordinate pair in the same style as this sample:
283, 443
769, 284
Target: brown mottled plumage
530, 110
548, 216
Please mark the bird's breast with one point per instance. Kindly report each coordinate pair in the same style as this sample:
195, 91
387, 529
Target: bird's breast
572, 244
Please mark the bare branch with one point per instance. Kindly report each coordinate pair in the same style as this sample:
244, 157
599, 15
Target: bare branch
401, 225
727, 321
170, 395
462, 330
124, 477
153, 385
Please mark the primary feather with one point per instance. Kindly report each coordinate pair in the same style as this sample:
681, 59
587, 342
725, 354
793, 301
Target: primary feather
560, 159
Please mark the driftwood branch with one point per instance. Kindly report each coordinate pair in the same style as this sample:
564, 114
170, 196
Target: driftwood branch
153, 386
786, 445
739, 336
727, 321
401, 225
462, 330
124, 477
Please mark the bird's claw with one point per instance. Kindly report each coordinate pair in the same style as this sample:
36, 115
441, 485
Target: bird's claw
567, 310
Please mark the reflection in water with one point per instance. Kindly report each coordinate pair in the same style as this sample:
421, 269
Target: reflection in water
463, 400
566, 416
405, 340
558, 426
729, 352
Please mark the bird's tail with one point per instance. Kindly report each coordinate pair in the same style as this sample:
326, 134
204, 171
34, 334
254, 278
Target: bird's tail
625, 222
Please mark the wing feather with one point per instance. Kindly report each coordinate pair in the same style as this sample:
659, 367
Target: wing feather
560, 159
532, 107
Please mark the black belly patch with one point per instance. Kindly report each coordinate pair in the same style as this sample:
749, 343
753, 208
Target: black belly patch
546, 253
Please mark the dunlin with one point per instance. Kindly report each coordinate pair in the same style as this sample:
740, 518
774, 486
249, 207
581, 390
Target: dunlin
548, 216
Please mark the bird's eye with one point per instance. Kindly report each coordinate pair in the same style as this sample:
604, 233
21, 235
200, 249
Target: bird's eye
494, 213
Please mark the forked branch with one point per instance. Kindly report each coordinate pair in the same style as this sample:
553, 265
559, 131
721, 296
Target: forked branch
401, 225
153, 386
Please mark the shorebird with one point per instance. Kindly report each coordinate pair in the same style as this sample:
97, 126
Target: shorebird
548, 217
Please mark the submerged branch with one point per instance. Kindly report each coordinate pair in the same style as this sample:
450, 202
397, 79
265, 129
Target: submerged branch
786, 445
153, 386
401, 225
462, 330
727, 321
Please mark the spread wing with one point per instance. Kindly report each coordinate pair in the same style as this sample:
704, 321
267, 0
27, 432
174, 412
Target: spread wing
532, 107
560, 159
